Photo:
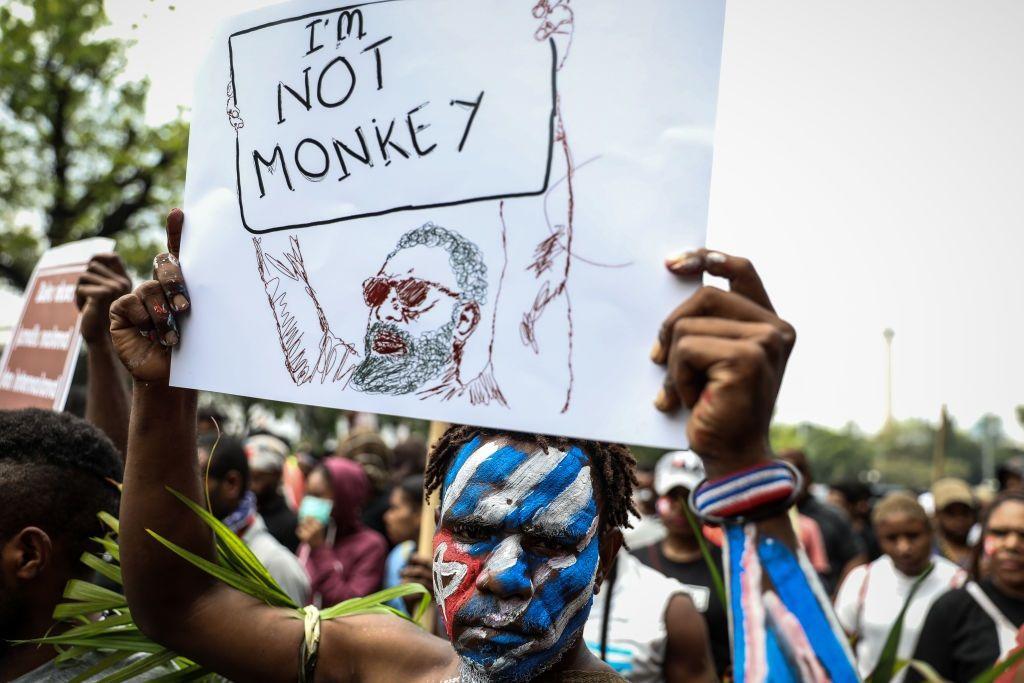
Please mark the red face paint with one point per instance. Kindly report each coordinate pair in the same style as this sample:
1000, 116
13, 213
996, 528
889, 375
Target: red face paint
455, 573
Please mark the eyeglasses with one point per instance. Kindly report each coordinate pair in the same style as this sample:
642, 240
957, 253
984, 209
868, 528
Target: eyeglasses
411, 291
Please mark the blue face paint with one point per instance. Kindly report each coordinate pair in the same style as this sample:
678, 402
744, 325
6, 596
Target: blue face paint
515, 556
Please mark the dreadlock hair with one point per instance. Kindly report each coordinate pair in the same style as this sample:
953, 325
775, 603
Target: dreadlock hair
614, 464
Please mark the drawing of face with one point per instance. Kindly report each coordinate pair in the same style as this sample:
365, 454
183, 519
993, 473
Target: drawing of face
556, 21
424, 304
515, 556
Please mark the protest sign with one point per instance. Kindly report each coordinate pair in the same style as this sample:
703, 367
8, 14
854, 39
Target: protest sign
453, 209
39, 360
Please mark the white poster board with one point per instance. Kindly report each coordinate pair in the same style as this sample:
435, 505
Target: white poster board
39, 360
450, 209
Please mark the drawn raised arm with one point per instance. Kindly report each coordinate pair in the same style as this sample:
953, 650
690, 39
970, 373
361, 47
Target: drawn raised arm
311, 351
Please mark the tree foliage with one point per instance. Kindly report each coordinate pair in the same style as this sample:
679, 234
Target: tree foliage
77, 159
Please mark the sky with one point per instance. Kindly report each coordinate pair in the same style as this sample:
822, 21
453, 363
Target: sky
867, 159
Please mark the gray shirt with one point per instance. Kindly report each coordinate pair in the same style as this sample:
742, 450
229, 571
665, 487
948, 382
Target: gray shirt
279, 561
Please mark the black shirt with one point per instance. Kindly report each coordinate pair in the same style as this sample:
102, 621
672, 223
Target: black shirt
841, 543
697, 574
280, 521
958, 638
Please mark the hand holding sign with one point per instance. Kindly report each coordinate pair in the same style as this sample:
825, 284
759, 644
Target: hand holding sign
725, 354
142, 324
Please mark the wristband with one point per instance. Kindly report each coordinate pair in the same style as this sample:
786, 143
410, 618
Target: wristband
754, 493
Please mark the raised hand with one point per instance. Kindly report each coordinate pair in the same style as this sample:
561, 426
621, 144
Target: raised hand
103, 281
725, 353
143, 324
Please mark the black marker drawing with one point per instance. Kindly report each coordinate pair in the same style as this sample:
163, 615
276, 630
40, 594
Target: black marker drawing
424, 304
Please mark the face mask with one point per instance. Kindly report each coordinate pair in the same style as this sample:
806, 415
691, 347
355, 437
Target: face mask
317, 508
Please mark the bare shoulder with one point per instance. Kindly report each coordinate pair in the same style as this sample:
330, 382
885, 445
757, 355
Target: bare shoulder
379, 647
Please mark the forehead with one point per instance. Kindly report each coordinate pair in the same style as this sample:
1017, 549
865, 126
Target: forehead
900, 522
1009, 515
503, 483
428, 263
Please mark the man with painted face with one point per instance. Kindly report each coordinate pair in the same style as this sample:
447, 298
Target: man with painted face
528, 524
424, 304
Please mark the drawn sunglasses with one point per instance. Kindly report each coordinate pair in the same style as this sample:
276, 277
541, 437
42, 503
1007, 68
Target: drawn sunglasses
411, 291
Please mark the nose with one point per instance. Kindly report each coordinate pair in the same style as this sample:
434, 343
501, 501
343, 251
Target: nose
390, 311
902, 546
506, 573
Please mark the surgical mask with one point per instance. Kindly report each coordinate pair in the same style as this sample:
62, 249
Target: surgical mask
317, 508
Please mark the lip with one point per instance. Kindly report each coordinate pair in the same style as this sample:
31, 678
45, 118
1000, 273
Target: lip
388, 344
481, 633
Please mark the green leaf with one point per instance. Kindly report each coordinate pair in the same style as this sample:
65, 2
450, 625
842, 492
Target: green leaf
992, 674
116, 622
108, 570
110, 521
365, 604
90, 592
886, 667
926, 671
238, 554
140, 667
716, 576
224, 574
100, 666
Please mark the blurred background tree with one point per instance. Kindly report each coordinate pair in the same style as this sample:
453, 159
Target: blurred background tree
77, 158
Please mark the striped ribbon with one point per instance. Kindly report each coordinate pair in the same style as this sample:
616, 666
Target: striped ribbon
782, 629
745, 491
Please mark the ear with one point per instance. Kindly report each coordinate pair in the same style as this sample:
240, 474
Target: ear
233, 481
28, 554
608, 549
469, 318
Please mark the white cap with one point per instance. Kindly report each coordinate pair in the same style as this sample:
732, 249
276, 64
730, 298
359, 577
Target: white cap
678, 468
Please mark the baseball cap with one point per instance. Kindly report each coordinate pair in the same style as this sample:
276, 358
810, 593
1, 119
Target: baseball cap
678, 468
952, 490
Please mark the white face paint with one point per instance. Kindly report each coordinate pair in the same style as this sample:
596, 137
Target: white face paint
516, 556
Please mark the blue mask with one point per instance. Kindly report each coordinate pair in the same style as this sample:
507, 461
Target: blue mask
317, 508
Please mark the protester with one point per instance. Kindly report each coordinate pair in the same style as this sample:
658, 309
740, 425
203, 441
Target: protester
402, 521
408, 457
955, 513
854, 498
267, 456
1010, 474
366, 447
968, 629
344, 558
648, 528
505, 617
57, 473
872, 595
679, 556
646, 627
226, 466
107, 403
842, 546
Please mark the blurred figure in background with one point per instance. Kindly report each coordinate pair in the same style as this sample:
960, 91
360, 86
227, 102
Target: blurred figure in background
872, 595
955, 514
678, 556
646, 627
1010, 474
367, 448
267, 456
842, 546
649, 528
402, 520
210, 422
231, 501
854, 498
342, 557
408, 457
968, 629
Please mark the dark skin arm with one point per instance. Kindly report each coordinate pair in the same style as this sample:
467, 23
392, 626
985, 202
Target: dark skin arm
181, 606
725, 353
107, 399
688, 645
216, 625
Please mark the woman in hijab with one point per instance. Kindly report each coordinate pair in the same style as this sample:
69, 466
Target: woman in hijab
343, 558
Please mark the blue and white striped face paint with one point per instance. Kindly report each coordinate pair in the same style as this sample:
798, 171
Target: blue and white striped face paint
515, 556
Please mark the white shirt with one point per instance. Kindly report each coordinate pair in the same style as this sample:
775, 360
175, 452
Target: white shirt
636, 630
870, 600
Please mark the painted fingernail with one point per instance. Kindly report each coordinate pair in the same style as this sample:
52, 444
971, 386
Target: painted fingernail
656, 352
662, 402
686, 263
716, 257
170, 338
180, 302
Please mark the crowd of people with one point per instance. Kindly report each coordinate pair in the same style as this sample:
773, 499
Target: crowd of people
611, 571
